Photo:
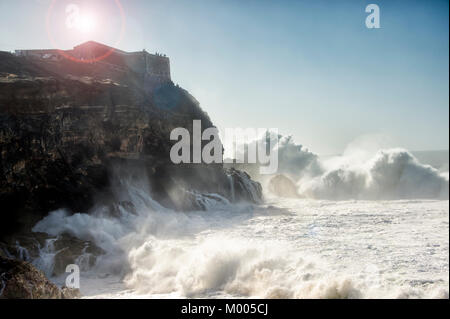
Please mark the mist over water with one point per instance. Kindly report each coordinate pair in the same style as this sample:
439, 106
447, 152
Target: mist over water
338, 242
363, 171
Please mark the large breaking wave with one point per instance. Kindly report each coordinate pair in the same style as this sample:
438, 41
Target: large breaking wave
389, 174
360, 173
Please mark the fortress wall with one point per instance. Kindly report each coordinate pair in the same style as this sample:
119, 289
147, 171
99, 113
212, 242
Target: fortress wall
156, 67
135, 62
153, 67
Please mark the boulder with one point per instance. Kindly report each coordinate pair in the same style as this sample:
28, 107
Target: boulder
21, 280
282, 186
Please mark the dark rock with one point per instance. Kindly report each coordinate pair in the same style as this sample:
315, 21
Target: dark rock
243, 187
64, 127
71, 250
23, 246
21, 280
67, 249
70, 293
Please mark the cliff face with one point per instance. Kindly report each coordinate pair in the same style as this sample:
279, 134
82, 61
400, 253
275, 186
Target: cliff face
65, 126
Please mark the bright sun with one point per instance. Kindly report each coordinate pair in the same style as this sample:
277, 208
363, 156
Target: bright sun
85, 23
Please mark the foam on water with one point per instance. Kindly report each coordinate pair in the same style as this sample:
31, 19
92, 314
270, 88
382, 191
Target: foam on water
296, 249
323, 247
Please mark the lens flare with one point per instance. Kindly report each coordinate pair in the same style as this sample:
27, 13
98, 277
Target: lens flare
86, 23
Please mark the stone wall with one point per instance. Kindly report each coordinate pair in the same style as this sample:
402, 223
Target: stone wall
155, 67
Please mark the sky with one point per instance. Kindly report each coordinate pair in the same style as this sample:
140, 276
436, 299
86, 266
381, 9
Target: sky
309, 68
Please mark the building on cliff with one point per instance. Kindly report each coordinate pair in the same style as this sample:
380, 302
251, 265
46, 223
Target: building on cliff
153, 67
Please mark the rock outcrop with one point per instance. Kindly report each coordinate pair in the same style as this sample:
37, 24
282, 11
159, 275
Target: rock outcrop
68, 133
65, 127
39, 248
21, 280
243, 187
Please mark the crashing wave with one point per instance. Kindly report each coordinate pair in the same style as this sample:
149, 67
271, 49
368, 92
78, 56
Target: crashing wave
390, 174
364, 172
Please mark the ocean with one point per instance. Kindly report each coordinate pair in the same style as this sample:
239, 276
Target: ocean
280, 248
287, 248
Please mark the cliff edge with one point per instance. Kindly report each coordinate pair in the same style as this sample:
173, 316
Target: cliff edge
68, 128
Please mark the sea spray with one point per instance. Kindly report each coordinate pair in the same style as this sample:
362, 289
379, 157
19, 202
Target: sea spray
232, 192
46, 259
363, 171
242, 250
389, 174
22, 252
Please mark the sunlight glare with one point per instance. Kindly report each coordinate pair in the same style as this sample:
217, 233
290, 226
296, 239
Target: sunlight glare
86, 23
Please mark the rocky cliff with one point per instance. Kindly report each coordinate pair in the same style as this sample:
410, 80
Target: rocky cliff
66, 127
21, 280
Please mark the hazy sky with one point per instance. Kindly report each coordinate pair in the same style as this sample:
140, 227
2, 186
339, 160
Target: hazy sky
309, 68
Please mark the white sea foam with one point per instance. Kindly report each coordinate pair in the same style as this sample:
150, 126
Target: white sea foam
289, 248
